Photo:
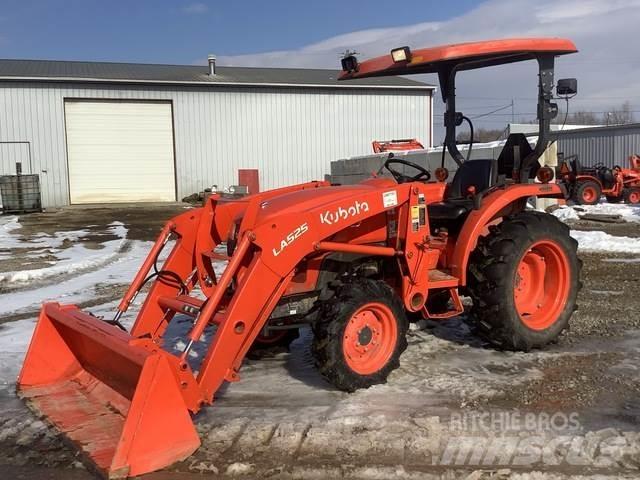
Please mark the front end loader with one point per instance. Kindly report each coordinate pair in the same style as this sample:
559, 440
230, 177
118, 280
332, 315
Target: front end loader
352, 262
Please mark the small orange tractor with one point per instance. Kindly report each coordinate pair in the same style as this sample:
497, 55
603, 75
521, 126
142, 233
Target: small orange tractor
586, 185
380, 146
352, 262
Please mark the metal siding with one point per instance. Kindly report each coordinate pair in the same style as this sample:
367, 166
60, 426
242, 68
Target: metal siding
290, 134
610, 145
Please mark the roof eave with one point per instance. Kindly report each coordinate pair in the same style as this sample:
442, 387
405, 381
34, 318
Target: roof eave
213, 84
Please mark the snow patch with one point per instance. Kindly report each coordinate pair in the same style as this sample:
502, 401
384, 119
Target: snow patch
598, 241
565, 213
73, 259
631, 213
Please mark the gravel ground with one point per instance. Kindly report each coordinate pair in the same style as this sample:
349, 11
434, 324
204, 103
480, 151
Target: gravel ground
454, 409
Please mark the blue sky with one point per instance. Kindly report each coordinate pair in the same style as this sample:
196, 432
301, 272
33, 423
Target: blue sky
278, 33
165, 31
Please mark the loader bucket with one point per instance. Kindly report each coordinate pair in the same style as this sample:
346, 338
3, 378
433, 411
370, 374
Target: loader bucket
116, 398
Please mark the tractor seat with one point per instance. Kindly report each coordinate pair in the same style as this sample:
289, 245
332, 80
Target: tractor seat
480, 174
446, 211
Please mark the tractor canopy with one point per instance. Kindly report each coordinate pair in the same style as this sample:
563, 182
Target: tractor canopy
448, 60
463, 56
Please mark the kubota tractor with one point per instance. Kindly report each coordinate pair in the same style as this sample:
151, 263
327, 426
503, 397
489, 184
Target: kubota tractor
351, 261
586, 185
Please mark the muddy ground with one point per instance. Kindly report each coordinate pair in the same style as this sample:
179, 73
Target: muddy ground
570, 409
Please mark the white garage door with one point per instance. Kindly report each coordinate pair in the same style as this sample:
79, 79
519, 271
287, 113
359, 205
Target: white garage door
120, 151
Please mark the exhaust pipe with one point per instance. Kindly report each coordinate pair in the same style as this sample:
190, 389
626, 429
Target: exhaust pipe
212, 64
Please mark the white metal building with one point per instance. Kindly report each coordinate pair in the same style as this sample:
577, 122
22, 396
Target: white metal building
113, 132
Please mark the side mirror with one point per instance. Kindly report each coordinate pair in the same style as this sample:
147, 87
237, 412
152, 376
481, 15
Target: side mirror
567, 87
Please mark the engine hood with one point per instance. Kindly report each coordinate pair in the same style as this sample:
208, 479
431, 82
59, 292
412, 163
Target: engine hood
304, 200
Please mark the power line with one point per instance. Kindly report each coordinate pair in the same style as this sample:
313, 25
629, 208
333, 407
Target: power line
493, 112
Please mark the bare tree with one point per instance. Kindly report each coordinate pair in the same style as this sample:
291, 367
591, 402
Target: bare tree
620, 115
480, 135
580, 117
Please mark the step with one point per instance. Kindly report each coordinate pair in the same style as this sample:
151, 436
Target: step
441, 279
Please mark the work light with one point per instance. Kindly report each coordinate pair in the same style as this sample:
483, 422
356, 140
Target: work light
402, 54
349, 63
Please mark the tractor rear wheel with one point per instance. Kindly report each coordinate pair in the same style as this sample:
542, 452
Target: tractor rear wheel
631, 195
359, 335
524, 280
587, 192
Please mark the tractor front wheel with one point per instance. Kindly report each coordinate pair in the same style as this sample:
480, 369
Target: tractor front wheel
524, 280
587, 192
271, 343
359, 335
631, 195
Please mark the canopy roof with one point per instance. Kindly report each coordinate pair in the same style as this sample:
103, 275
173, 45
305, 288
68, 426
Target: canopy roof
465, 56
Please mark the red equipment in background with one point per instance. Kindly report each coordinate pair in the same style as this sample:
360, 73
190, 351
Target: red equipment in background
349, 261
586, 185
380, 146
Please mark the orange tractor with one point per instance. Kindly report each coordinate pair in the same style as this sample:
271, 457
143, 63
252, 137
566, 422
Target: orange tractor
586, 185
352, 262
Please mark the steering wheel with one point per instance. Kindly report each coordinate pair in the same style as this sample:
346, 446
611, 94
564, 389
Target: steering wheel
401, 177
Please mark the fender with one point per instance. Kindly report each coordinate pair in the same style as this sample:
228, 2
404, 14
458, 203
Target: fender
492, 205
590, 178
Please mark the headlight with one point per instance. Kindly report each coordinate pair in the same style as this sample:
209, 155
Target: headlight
402, 54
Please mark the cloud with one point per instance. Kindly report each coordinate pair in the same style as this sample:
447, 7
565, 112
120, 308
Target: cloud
607, 66
195, 8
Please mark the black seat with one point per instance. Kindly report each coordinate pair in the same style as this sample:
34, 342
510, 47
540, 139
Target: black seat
479, 174
507, 160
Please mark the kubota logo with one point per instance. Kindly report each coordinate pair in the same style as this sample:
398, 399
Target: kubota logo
334, 216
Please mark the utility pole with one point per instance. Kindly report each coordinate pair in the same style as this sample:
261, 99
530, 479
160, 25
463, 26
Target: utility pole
513, 113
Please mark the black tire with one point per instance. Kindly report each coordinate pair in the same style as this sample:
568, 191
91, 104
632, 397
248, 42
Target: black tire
613, 199
631, 195
582, 188
329, 331
493, 270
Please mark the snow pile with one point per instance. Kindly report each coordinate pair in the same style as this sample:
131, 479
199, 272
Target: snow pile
565, 213
603, 242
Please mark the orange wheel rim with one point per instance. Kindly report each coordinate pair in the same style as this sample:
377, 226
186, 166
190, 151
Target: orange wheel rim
589, 194
370, 338
542, 285
634, 197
